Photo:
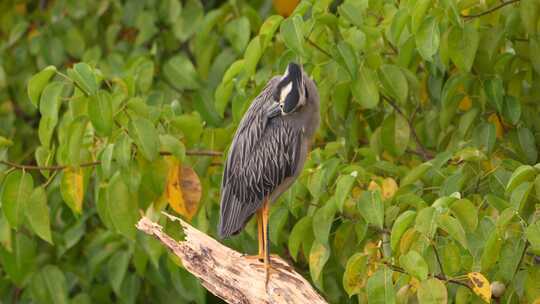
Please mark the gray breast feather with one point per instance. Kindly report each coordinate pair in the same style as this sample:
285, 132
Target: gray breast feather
263, 154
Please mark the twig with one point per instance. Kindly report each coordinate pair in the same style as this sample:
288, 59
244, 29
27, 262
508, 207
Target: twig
438, 260
440, 277
97, 162
521, 259
491, 10
426, 155
318, 47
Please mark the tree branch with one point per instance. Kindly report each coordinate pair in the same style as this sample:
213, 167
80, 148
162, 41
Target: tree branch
438, 276
229, 274
424, 153
491, 10
97, 162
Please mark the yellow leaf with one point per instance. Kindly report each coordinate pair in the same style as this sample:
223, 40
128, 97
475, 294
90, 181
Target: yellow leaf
414, 284
356, 192
494, 119
373, 186
407, 240
389, 188
72, 188
183, 190
465, 104
480, 286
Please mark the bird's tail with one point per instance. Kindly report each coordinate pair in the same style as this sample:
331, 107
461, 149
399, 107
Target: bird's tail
232, 216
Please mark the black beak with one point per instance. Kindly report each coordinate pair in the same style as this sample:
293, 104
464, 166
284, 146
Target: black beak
294, 72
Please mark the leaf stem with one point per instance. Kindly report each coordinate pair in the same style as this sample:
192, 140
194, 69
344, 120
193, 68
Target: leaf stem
491, 10
425, 154
315, 45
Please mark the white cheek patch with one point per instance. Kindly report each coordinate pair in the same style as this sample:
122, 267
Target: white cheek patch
284, 92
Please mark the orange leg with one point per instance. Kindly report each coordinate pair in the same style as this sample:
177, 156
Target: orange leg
260, 236
267, 266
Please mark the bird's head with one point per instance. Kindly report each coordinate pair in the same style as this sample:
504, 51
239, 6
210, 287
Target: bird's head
291, 92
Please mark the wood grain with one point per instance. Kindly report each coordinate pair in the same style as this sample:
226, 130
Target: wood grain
230, 275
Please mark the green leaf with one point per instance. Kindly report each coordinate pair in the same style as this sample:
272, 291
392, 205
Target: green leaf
394, 82
426, 222
432, 291
117, 268
145, 136
343, 189
181, 73
37, 83
512, 108
415, 174
533, 236
380, 289
16, 190
121, 206
299, 233
37, 213
352, 11
534, 48
365, 89
465, 211
51, 99
522, 174
20, 262
318, 256
84, 76
173, 145
529, 14
354, 278
395, 134
492, 249
428, 37
252, 56
75, 139
414, 264
268, 29
495, 92
519, 196
237, 32
462, 46
49, 286
348, 58
453, 228
497, 202
292, 34
322, 222
100, 112
371, 207
279, 218
418, 13
401, 224
527, 143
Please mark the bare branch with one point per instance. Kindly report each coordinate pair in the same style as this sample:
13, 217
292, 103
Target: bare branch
97, 162
230, 275
491, 10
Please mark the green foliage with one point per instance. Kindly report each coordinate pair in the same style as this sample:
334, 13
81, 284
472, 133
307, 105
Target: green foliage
438, 97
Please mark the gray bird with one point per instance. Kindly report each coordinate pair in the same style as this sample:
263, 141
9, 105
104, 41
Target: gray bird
268, 153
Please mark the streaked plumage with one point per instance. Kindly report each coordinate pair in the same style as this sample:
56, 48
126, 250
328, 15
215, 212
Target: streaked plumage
269, 147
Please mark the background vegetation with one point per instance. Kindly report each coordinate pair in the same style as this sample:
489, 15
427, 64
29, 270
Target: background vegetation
421, 186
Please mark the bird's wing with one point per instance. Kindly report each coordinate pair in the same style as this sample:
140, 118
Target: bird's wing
263, 154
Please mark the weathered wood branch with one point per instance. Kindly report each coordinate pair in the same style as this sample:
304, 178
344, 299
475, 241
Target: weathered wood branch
230, 275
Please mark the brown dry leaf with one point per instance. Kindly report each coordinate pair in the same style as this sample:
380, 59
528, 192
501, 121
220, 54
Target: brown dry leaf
183, 190
285, 7
480, 285
389, 188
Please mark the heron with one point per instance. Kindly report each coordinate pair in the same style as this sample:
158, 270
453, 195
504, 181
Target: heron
267, 154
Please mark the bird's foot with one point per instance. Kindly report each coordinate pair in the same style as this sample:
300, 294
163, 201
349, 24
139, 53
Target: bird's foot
258, 257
